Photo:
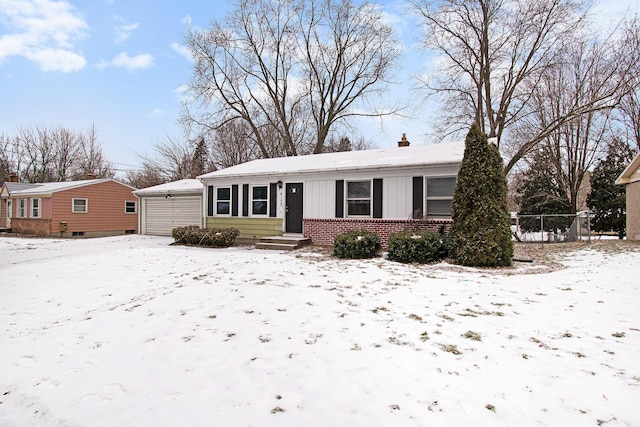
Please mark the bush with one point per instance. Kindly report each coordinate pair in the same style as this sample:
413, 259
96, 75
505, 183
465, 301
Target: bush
356, 244
194, 235
422, 247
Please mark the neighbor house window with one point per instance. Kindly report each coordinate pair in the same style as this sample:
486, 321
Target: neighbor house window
79, 205
35, 208
359, 198
223, 200
129, 207
259, 202
440, 196
22, 208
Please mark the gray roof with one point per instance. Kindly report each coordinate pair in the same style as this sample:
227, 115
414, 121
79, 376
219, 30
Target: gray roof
24, 189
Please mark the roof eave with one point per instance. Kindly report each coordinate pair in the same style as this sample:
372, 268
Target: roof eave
332, 170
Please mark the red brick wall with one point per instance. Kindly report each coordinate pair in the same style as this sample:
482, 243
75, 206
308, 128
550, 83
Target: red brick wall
323, 231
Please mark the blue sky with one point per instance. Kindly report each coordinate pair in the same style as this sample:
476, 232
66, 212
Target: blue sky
119, 64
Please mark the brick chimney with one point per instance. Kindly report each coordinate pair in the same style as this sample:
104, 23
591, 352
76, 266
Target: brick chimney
91, 175
13, 177
404, 142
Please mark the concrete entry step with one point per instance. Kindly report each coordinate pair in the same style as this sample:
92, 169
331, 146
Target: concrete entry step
286, 243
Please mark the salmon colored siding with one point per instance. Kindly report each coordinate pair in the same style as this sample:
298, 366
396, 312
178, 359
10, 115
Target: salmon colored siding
105, 208
46, 207
3, 213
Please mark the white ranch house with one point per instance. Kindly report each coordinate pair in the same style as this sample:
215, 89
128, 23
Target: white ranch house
319, 196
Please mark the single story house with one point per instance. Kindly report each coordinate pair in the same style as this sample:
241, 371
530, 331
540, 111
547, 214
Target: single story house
89, 208
630, 178
167, 206
319, 196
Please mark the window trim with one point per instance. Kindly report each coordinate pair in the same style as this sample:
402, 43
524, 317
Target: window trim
217, 200
21, 210
37, 209
437, 198
265, 200
73, 205
347, 198
135, 207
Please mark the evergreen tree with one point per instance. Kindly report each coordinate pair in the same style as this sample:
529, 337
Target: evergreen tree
200, 158
541, 192
481, 230
607, 200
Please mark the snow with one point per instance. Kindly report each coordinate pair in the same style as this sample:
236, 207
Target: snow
129, 330
181, 186
52, 187
413, 156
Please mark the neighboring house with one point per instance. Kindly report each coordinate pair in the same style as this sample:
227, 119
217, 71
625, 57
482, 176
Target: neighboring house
630, 178
319, 196
167, 206
90, 208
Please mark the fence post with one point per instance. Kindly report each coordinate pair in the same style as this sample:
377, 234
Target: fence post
542, 229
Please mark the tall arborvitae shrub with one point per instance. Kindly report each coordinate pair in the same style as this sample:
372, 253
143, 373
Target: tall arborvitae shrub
481, 232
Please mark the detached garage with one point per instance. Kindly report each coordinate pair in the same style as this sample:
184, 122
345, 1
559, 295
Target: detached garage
167, 206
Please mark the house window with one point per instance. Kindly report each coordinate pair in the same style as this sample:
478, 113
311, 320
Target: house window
129, 207
440, 196
223, 200
22, 208
359, 198
35, 208
259, 201
79, 205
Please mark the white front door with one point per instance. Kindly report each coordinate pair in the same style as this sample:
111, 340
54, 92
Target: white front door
8, 213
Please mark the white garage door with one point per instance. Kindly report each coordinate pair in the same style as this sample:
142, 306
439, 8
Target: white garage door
163, 215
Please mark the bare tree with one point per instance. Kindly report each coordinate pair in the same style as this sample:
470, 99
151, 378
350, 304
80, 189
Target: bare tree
575, 142
231, 145
171, 161
147, 176
92, 159
349, 50
492, 52
287, 70
344, 143
628, 111
243, 70
43, 154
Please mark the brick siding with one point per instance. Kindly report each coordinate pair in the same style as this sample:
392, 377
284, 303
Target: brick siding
323, 231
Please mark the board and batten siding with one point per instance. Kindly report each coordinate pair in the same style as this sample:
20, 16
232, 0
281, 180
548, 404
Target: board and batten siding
106, 208
319, 200
161, 215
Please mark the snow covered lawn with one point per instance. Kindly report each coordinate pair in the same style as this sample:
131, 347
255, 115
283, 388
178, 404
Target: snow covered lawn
129, 331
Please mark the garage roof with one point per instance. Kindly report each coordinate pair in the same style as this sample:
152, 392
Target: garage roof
183, 186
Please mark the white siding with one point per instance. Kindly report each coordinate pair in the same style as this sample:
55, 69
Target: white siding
161, 215
397, 197
319, 199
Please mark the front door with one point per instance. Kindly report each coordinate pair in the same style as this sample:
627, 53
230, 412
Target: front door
8, 213
293, 208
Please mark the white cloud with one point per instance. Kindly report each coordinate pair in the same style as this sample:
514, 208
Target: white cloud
43, 31
131, 63
123, 29
157, 112
182, 93
182, 50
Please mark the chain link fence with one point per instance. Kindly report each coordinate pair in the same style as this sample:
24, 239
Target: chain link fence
552, 228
